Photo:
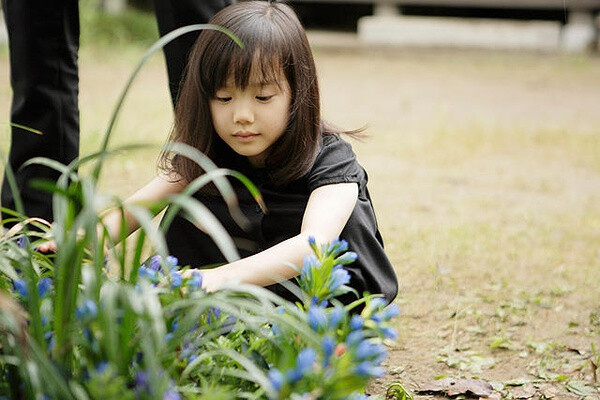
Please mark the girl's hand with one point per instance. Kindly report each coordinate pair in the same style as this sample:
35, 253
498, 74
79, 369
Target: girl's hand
211, 280
47, 247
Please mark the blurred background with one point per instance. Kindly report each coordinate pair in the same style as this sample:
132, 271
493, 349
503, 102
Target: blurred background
570, 25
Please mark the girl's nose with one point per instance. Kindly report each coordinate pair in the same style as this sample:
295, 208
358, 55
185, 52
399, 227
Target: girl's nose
243, 114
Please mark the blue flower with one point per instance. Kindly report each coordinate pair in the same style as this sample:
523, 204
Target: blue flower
276, 330
317, 318
369, 369
328, 346
148, 273
172, 262
337, 246
304, 363
339, 277
386, 314
21, 287
141, 382
229, 323
391, 311
276, 378
377, 317
171, 394
213, 314
51, 343
389, 332
176, 280
192, 358
343, 246
346, 258
376, 304
22, 242
44, 286
314, 301
195, 281
155, 263
88, 309
354, 338
335, 317
101, 367
308, 264
305, 360
293, 375
357, 322
368, 350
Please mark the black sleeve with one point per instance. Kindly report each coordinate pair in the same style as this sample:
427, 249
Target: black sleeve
336, 163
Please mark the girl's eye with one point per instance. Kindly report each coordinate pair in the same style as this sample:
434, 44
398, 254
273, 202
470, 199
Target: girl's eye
222, 99
264, 98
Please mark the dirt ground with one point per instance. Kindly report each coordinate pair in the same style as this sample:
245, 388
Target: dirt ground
485, 173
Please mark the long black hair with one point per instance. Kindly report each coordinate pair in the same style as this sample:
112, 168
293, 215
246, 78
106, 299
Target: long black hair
274, 43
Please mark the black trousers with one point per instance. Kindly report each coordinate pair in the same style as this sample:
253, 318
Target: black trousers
173, 14
43, 45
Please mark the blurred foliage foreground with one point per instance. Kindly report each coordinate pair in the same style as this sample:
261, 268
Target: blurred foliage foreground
92, 323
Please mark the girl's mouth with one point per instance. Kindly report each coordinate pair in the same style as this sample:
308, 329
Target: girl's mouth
245, 136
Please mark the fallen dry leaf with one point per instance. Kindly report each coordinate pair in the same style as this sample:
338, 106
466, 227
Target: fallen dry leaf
493, 396
549, 391
453, 387
526, 391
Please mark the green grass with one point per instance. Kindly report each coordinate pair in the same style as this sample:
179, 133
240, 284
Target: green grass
131, 26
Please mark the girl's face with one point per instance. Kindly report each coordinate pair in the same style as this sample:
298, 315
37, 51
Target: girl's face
251, 120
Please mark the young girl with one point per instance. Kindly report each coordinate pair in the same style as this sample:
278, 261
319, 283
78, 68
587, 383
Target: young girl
256, 110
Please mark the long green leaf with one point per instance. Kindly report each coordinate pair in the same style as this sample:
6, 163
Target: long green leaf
14, 188
56, 165
153, 49
27, 128
144, 218
201, 216
224, 187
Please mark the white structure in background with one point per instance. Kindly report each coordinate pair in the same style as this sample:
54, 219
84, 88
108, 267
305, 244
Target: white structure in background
388, 27
3, 34
113, 6
460, 32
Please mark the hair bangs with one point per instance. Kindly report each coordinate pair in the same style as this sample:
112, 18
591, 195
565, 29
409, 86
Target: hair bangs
261, 60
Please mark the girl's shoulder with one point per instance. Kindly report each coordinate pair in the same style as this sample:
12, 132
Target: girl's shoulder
332, 144
335, 163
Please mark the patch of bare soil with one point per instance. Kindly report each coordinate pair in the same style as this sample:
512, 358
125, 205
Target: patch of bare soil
485, 172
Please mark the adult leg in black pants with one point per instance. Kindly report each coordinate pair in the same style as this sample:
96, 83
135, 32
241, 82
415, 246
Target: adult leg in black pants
173, 14
43, 43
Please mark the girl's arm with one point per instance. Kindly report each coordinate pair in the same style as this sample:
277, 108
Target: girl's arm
157, 189
327, 212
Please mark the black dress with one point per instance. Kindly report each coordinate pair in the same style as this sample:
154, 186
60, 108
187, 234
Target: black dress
335, 163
